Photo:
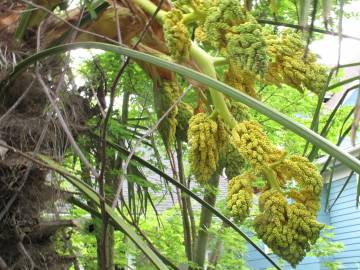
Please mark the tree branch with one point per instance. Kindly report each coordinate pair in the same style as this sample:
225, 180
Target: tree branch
295, 26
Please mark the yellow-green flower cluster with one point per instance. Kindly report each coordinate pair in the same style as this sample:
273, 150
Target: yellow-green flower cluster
305, 174
239, 199
308, 179
185, 112
165, 94
194, 4
239, 111
176, 35
287, 229
234, 161
242, 80
271, 162
206, 138
253, 144
307, 198
246, 47
220, 19
288, 65
229, 28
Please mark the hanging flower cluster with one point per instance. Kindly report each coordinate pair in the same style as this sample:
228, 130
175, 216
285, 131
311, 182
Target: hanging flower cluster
288, 65
185, 112
288, 229
206, 137
289, 203
165, 94
176, 35
240, 196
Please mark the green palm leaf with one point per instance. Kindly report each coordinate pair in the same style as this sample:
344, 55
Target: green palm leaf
93, 196
297, 128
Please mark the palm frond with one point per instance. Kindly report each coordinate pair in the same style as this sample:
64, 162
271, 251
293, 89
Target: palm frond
285, 121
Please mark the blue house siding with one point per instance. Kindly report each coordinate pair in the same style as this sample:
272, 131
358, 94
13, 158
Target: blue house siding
344, 217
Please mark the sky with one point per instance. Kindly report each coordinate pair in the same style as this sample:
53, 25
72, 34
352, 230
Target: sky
327, 48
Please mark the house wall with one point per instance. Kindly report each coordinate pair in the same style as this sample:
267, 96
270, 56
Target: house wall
344, 217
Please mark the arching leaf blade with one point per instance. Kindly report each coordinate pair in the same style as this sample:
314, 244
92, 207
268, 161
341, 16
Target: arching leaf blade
285, 121
93, 196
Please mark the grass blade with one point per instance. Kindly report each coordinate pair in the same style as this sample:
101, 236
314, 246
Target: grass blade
328, 186
342, 189
329, 121
336, 85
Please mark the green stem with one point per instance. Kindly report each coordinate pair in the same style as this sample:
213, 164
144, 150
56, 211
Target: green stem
205, 63
150, 8
270, 178
218, 61
193, 17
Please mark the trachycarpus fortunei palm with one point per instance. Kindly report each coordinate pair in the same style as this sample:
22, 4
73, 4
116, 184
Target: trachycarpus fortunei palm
252, 55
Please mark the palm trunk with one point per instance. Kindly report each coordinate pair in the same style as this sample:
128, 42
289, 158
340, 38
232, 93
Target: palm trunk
216, 253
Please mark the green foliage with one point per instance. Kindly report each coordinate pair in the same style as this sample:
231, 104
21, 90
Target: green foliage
84, 242
167, 236
299, 107
325, 248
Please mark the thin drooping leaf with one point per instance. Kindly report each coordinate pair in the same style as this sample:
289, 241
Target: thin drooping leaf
342, 134
298, 27
341, 138
274, 115
336, 85
329, 121
328, 185
327, 162
93, 196
313, 17
316, 117
342, 189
